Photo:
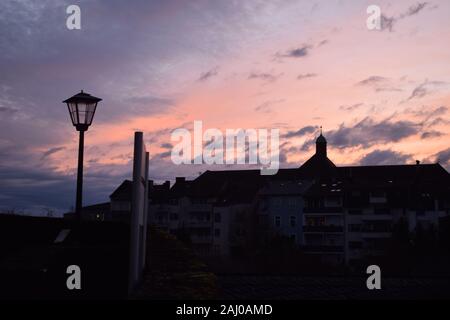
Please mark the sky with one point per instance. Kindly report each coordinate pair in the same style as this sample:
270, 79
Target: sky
381, 96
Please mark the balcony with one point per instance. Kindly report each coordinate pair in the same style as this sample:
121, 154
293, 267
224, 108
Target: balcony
323, 229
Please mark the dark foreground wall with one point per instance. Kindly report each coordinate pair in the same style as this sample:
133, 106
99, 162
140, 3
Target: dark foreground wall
32, 266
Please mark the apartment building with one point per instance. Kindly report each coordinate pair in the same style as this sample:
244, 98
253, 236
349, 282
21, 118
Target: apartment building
280, 209
340, 214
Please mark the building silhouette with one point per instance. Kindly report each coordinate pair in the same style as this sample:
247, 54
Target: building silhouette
339, 215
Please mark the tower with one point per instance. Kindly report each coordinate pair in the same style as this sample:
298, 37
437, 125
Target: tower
321, 145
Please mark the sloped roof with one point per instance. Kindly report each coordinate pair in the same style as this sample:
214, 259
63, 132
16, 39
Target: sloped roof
123, 192
227, 186
317, 166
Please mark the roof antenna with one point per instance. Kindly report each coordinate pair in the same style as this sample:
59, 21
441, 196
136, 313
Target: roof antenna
320, 130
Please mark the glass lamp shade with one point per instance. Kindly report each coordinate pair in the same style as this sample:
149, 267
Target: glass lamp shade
82, 109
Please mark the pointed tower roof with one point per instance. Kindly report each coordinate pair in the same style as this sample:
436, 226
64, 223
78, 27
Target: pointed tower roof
319, 165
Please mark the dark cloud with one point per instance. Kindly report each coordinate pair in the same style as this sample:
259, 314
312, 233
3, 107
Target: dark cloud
425, 88
166, 145
379, 84
268, 77
208, 74
443, 157
51, 151
430, 117
368, 132
438, 111
7, 110
428, 112
431, 134
351, 107
372, 80
388, 89
299, 52
384, 157
301, 132
439, 121
122, 156
306, 76
266, 107
415, 9
387, 23
32, 189
164, 155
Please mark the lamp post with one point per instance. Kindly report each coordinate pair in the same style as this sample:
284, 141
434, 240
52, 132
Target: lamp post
81, 109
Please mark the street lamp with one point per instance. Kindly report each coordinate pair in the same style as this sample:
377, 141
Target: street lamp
81, 109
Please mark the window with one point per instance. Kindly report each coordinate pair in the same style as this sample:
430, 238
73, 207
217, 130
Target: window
354, 227
354, 211
161, 216
173, 216
293, 221
277, 221
292, 202
217, 232
333, 201
217, 217
293, 237
315, 221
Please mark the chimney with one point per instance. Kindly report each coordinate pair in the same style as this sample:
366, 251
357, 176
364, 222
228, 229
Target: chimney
417, 162
166, 184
